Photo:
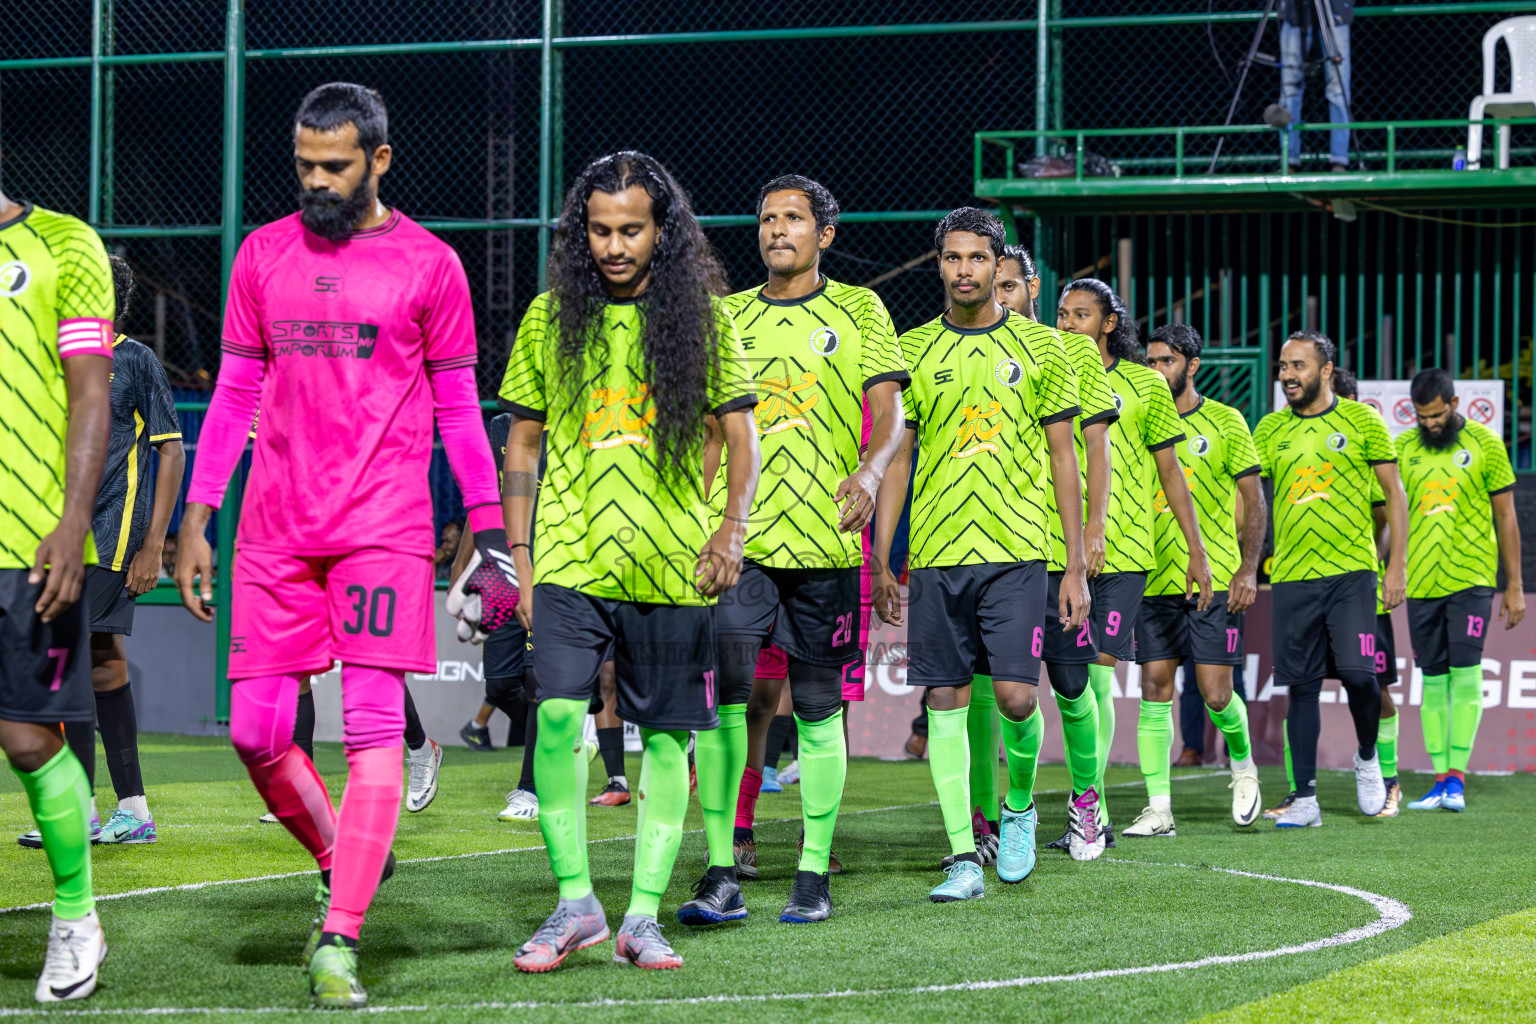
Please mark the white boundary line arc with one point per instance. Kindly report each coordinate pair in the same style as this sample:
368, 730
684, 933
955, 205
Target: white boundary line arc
211, 883
1391, 914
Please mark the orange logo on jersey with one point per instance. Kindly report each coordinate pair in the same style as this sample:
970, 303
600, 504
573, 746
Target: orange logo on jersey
1311, 484
1160, 503
615, 424
1439, 496
975, 435
779, 410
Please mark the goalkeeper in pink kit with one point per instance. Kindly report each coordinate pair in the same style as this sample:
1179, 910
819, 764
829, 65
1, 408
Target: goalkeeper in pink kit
350, 327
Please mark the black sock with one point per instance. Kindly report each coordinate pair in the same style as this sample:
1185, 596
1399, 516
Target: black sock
81, 737
530, 741
331, 938
610, 743
974, 858
120, 740
415, 735
1303, 723
304, 725
743, 835
325, 878
781, 733
1365, 708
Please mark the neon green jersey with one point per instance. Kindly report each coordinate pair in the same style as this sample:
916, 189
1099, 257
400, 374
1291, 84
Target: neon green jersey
1098, 404
980, 399
1216, 454
812, 358
1321, 466
1149, 422
56, 301
1451, 541
607, 524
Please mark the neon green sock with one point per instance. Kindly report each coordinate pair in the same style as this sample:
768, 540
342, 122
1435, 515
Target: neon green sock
823, 770
1232, 720
561, 771
1080, 736
664, 801
949, 761
721, 756
1466, 713
1101, 680
61, 804
1290, 773
981, 731
1023, 740
1154, 740
1436, 717
1386, 745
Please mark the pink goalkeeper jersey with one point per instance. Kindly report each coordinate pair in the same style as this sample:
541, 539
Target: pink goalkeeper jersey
349, 333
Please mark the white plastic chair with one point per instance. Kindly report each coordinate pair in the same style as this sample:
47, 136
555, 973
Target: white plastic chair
1519, 34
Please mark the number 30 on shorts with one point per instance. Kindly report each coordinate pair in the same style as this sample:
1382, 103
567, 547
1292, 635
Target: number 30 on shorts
373, 610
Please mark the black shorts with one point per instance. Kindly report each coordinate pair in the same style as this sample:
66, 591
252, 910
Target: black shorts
664, 656
107, 598
1064, 647
969, 620
1313, 620
505, 653
1386, 650
1116, 603
45, 668
1448, 631
1171, 627
810, 614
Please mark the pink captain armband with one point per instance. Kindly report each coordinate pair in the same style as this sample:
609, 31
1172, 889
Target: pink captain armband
226, 428
85, 336
456, 406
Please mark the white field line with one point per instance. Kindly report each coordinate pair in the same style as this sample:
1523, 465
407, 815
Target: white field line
190, 886
1391, 914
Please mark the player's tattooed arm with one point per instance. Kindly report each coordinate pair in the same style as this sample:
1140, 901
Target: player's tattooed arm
1244, 587
519, 485
885, 594
1171, 475
60, 560
1066, 482
1096, 448
858, 493
719, 564
1396, 585
1512, 603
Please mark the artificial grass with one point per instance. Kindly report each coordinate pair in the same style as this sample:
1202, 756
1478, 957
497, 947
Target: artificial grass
441, 934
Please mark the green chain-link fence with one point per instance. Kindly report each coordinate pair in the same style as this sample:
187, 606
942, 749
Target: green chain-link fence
116, 110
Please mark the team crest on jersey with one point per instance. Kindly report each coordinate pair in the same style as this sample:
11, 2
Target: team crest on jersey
1199, 445
1009, 373
1337, 442
824, 341
14, 278
1119, 402
1462, 458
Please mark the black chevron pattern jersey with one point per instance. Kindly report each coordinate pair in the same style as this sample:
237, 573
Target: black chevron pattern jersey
1149, 421
607, 523
979, 400
143, 417
1322, 468
812, 360
1451, 540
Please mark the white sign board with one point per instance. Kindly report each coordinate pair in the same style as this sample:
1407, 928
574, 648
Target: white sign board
1481, 400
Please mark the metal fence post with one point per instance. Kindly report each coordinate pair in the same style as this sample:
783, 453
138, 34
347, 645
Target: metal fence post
233, 215
546, 135
108, 115
1042, 75
93, 177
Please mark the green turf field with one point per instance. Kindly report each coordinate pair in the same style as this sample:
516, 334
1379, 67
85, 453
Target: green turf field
469, 890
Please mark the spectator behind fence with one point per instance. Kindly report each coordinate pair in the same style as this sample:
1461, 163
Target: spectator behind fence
447, 547
1299, 33
168, 556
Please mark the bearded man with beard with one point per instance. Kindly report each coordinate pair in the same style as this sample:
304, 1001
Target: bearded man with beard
1323, 456
1461, 516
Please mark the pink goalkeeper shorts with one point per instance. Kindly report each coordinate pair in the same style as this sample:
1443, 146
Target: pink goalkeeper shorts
301, 614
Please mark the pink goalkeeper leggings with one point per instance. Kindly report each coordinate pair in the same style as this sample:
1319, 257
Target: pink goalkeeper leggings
353, 845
